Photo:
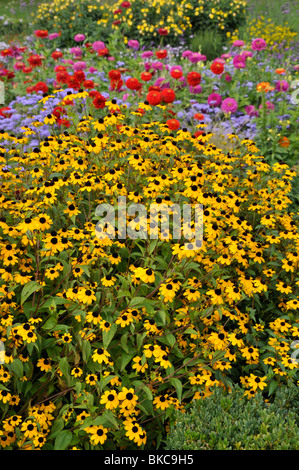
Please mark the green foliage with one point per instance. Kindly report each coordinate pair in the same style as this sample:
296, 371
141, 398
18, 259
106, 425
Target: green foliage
230, 421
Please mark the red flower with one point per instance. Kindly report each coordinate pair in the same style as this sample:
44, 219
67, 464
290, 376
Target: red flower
146, 76
99, 101
114, 75
116, 84
4, 112
176, 73
173, 124
88, 84
125, 4
116, 22
62, 77
199, 117
6, 52
35, 60
117, 12
217, 67
103, 52
154, 98
167, 95
154, 88
41, 33
161, 54
63, 122
27, 69
79, 76
193, 78
30, 89
133, 84
56, 55
140, 110
163, 31
41, 86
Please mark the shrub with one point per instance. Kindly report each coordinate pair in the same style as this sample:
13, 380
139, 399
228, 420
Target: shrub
229, 421
149, 20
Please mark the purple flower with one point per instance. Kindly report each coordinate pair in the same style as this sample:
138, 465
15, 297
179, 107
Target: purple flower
214, 100
187, 53
77, 51
196, 57
229, 105
195, 89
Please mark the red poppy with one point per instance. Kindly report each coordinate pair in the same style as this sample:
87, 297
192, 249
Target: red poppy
173, 124
154, 98
125, 4
79, 76
193, 78
88, 84
27, 69
167, 95
6, 52
117, 12
161, 54
62, 77
217, 67
63, 122
154, 88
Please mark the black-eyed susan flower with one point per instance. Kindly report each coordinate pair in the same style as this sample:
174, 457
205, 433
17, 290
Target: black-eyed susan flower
100, 356
98, 434
110, 399
128, 398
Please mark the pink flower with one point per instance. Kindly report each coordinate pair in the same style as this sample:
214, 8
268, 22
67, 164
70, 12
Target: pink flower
98, 45
77, 51
238, 43
147, 54
269, 105
214, 100
187, 53
53, 35
281, 85
258, 44
79, 37
229, 105
246, 54
227, 55
196, 57
134, 44
195, 89
81, 65
92, 69
251, 111
239, 62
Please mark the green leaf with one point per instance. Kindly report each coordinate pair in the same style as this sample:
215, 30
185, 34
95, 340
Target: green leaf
86, 350
49, 324
64, 366
125, 359
28, 289
17, 367
63, 440
272, 387
108, 335
178, 387
137, 302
